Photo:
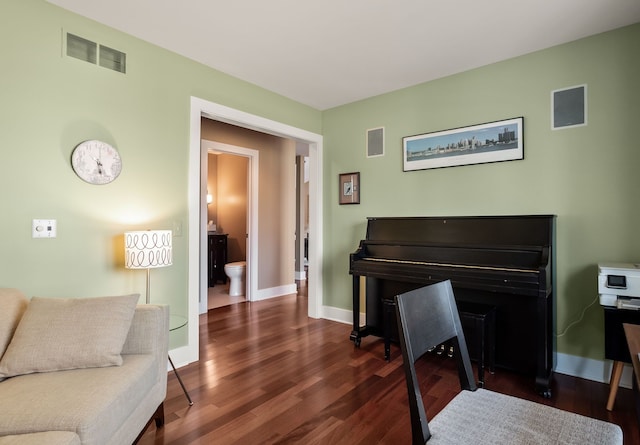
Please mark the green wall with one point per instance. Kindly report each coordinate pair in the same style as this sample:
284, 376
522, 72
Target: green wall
588, 176
49, 103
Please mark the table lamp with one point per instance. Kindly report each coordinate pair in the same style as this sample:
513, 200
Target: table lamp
147, 249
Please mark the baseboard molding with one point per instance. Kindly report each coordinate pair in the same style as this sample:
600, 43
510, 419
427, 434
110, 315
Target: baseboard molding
179, 356
278, 291
573, 365
591, 369
301, 275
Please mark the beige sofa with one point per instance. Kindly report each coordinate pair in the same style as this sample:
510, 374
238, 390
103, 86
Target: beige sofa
80, 371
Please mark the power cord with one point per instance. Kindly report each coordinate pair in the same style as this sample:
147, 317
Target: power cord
579, 319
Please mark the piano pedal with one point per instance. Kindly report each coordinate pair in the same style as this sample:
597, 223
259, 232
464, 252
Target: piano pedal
440, 350
450, 353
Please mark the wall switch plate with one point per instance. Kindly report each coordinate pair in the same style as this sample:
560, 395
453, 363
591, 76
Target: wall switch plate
177, 228
44, 228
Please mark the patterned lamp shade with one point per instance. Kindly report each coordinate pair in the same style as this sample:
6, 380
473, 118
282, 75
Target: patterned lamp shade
147, 249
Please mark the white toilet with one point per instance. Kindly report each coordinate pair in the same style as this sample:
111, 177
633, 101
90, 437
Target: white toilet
235, 272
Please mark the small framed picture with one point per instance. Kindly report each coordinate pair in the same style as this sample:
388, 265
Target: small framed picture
349, 187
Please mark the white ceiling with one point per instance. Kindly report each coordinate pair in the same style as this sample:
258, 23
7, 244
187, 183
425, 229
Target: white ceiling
326, 53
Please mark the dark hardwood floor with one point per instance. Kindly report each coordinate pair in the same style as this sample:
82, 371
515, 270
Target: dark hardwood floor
269, 375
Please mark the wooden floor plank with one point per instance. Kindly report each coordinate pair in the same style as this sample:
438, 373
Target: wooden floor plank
268, 374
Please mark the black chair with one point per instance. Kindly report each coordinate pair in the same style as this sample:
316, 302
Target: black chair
429, 316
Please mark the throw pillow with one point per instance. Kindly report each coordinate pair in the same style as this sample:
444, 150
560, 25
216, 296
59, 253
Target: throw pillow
55, 334
12, 305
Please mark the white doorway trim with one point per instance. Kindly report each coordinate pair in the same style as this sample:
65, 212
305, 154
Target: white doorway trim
196, 282
253, 157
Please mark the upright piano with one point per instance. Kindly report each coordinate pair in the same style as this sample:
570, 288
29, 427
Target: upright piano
503, 261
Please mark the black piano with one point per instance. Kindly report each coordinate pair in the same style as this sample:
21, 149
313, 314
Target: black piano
503, 261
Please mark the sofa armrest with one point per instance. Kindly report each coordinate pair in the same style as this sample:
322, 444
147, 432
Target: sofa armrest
149, 331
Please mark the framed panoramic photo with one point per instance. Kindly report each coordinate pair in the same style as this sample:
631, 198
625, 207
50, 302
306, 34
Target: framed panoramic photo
477, 144
349, 186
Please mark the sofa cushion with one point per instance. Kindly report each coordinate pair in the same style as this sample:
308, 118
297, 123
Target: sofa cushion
92, 402
68, 333
12, 305
48, 438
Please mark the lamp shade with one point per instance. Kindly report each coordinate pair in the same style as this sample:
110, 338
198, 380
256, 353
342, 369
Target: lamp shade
147, 249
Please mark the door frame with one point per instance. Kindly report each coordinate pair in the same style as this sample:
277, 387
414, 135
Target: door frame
196, 281
253, 157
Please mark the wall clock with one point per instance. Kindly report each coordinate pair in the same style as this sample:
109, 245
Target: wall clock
96, 162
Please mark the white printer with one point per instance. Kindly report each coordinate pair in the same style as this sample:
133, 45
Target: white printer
619, 285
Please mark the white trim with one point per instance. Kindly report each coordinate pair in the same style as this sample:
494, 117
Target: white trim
197, 284
591, 369
179, 357
278, 291
252, 215
301, 275
341, 315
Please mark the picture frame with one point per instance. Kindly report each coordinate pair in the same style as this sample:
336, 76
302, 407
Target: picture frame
349, 188
477, 144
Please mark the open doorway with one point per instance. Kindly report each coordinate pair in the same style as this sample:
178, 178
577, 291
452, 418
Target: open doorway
230, 226
197, 215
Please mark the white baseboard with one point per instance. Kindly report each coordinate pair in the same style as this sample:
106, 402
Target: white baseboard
591, 369
301, 275
340, 315
573, 365
278, 291
179, 356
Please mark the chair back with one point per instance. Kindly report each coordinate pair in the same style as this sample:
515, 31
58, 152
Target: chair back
427, 317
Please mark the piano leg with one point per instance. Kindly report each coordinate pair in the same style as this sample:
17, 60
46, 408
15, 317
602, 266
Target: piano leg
543, 386
544, 346
355, 336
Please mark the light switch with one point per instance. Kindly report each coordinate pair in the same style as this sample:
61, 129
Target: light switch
44, 228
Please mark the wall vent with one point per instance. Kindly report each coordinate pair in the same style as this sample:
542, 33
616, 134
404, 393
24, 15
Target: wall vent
88, 51
113, 59
82, 49
375, 142
569, 107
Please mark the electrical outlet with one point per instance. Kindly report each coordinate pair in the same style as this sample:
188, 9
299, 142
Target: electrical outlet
44, 228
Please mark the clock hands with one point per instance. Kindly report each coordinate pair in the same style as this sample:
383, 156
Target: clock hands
100, 166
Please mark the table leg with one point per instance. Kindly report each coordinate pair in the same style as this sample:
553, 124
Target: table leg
175, 371
616, 373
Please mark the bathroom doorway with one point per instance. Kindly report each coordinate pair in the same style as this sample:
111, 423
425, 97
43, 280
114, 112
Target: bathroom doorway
196, 265
231, 172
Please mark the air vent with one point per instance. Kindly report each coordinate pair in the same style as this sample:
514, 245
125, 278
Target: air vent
82, 49
569, 107
88, 51
375, 142
113, 59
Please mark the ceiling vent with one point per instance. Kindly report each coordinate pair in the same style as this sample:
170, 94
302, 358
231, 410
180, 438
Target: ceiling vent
88, 51
375, 142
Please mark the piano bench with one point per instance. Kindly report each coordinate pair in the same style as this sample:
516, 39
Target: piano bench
478, 324
479, 327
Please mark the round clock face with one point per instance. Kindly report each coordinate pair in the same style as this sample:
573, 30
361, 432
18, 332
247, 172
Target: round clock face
96, 162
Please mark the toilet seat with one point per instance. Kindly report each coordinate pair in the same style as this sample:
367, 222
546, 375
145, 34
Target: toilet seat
237, 264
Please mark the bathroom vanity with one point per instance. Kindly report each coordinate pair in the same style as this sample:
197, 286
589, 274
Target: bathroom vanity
217, 258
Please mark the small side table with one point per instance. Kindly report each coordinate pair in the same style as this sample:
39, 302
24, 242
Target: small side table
632, 334
177, 322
